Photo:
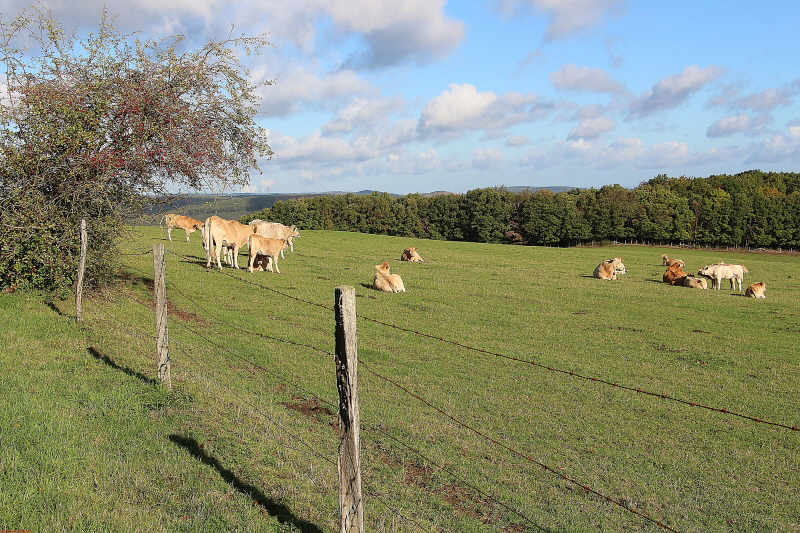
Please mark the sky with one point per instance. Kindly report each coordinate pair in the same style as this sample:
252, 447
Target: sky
428, 95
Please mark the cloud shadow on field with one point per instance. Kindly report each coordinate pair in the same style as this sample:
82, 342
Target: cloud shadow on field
282, 513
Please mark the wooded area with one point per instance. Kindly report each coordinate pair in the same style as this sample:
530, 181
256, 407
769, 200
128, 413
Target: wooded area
751, 209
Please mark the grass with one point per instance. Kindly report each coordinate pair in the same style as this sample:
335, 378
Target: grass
454, 438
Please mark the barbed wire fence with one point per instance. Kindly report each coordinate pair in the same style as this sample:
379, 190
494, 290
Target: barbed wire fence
209, 371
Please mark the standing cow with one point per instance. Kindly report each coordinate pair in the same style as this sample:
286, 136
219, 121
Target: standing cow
187, 224
264, 250
275, 230
719, 271
219, 233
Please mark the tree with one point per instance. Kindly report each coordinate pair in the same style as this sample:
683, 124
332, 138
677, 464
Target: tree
91, 128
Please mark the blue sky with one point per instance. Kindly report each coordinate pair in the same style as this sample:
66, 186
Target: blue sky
426, 95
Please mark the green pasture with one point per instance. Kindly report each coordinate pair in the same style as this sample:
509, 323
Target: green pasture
471, 420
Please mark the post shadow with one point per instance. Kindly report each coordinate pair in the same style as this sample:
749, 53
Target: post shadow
282, 513
129, 371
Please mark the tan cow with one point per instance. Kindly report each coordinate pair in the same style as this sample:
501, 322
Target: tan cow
610, 269
187, 224
695, 283
275, 230
719, 271
386, 282
410, 254
670, 261
674, 275
219, 233
756, 290
264, 250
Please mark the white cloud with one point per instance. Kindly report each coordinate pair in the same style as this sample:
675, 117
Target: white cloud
576, 78
622, 152
761, 102
489, 159
727, 126
567, 17
517, 140
362, 113
674, 90
592, 128
301, 89
778, 148
463, 108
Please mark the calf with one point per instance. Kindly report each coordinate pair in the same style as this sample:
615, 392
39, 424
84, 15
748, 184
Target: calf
695, 283
674, 275
187, 224
756, 290
610, 269
386, 282
410, 254
264, 250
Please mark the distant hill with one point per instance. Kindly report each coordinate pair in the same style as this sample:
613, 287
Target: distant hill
234, 206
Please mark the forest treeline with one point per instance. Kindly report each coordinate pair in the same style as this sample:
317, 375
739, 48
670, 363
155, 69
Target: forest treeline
751, 209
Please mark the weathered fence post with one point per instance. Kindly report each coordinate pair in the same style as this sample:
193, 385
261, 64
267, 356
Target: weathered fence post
160, 296
351, 506
81, 269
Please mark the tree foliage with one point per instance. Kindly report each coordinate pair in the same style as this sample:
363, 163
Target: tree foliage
92, 127
754, 208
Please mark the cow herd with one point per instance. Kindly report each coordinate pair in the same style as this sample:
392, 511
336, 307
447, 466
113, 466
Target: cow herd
675, 275
267, 240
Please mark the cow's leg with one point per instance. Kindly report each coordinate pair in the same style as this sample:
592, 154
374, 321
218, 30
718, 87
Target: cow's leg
169, 232
235, 257
251, 260
187, 235
275, 261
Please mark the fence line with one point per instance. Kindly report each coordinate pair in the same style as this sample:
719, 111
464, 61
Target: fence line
533, 363
322, 401
466, 426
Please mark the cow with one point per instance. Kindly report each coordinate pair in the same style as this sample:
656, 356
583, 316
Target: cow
275, 230
386, 282
187, 224
610, 269
219, 233
756, 290
410, 254
695, 283
667, 261
719, 271
674, 275
264, 250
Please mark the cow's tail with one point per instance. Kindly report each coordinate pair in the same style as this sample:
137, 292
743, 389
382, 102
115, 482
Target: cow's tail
207, 240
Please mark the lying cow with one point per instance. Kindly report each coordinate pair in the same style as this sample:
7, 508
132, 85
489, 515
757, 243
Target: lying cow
264, 252
719, 271
219, 233
610, 269
275, 230
756, 290
410, 254
386, 282
187, 224
674, 275
695, 283
670, 261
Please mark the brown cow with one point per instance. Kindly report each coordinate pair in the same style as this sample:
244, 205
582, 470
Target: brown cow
264, 250
219, 233
410, 254
187, 224
610, 269
674, 275
386, 282
756, 290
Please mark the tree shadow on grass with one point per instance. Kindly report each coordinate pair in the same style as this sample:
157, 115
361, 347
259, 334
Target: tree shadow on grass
129, 371
275, 509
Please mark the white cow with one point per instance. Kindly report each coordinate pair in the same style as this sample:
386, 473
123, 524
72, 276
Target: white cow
219, 233
610, 269
719, 271
275, 230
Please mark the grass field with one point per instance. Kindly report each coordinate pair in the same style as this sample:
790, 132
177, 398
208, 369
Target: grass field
471, 419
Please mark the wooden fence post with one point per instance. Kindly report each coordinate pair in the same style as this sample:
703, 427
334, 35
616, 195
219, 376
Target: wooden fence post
81, 270
160, 296
351, 506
